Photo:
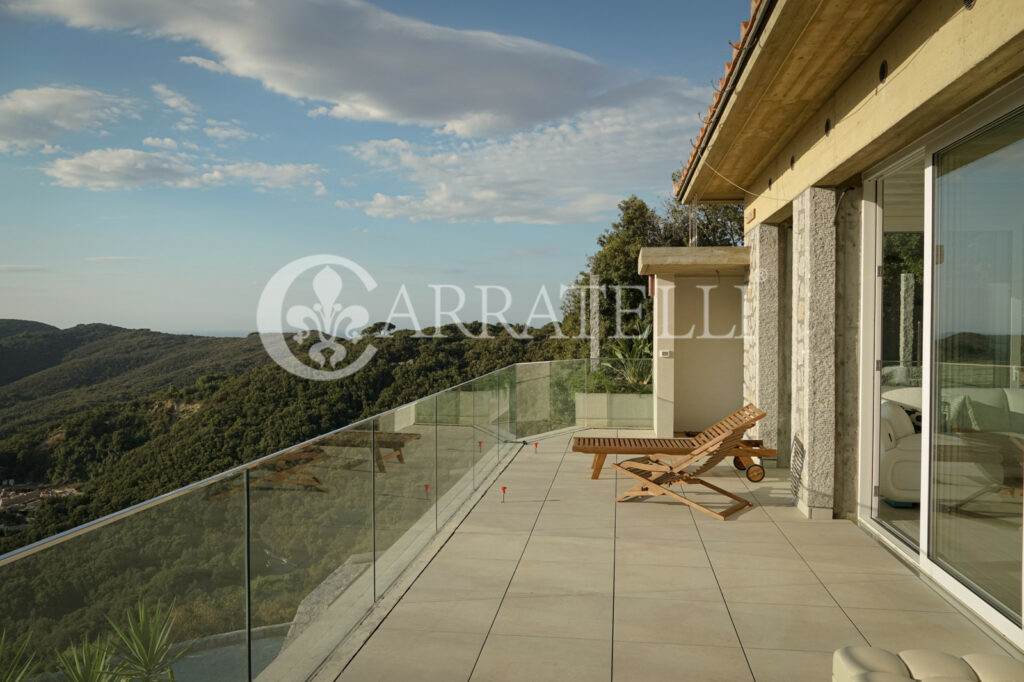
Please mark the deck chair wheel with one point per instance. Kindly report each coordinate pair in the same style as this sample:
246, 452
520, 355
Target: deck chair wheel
755, 473
738, 463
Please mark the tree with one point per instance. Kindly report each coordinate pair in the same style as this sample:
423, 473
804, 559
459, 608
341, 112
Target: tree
615, 263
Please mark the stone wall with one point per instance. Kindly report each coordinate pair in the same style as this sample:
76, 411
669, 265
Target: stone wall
849, 246
761, 349
813, 413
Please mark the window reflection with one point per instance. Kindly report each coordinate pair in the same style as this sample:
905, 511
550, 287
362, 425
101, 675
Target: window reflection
900, 322
978, 405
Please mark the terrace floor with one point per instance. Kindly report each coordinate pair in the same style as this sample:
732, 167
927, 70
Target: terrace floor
560, 583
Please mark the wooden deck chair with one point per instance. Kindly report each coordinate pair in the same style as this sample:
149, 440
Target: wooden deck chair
743, 456
656, 473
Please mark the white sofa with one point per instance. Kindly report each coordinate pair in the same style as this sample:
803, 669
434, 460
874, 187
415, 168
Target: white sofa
990, 410
871, 664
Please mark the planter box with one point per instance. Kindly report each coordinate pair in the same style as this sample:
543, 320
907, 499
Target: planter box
615, 409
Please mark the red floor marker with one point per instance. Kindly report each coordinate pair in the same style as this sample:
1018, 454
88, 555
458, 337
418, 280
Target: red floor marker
534, 448
503, 494
427, 486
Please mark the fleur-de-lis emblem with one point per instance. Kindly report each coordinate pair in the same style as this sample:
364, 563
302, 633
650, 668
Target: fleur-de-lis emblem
325, 318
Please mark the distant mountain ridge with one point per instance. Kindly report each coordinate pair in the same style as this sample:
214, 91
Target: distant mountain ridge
47, 373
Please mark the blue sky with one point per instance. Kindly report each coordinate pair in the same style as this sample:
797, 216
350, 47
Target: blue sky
160, 160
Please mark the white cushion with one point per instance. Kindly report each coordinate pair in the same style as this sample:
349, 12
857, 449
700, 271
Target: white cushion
888, 435
851, 661
871, 664
994, 668
897, 417
925, 664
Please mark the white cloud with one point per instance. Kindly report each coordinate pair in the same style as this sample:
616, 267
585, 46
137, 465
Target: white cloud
319, 189
174, 100
34, 118
186, 124
106, 169
355, 61
572, 171
222, 130
341, 203
161, 142
204, 63
115, 169
281, 176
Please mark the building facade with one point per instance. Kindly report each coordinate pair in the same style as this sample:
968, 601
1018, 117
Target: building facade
878, 148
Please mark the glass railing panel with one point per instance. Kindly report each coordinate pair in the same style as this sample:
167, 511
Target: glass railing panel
504, 417
183, 558
456, 450
619, 394
486, 423
311, 535
567, 378
405, 486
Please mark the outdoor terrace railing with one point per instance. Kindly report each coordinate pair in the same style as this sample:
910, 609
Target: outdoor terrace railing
267, 567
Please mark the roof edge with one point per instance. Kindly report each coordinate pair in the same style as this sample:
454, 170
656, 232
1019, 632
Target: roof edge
750, 32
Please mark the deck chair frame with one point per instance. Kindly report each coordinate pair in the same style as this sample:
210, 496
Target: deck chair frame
657, 473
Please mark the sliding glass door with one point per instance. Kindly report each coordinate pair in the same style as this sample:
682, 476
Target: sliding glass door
977, 402
899, 300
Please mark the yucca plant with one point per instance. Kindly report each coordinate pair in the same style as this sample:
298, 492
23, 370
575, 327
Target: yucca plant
17, 665
632, 366
142, 649
88, 662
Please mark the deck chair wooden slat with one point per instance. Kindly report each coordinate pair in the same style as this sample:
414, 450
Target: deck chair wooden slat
601, 447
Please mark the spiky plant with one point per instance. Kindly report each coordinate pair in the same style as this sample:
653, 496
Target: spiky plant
142, 649
17, 665
632, 366
88, 662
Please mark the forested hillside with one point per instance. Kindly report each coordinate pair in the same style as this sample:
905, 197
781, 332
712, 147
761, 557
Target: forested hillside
127, 450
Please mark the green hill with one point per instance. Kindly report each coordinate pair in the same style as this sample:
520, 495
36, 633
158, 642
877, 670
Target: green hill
12, 327
49, 373
131, 414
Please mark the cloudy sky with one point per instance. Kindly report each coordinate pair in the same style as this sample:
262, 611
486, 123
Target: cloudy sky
160, 160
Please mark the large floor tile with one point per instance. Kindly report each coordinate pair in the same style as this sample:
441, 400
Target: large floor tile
742, 532
646, 662
781, 665
754, 556
507, 546
569, 548
513, 658
898, 630
763, 586
423, 656
551, 522
852, 559
455, 615
448, 578
672, 551
579, 616
882, 591
835, 532
673, 621
551, 578
497, 522
667, 582
806, 628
